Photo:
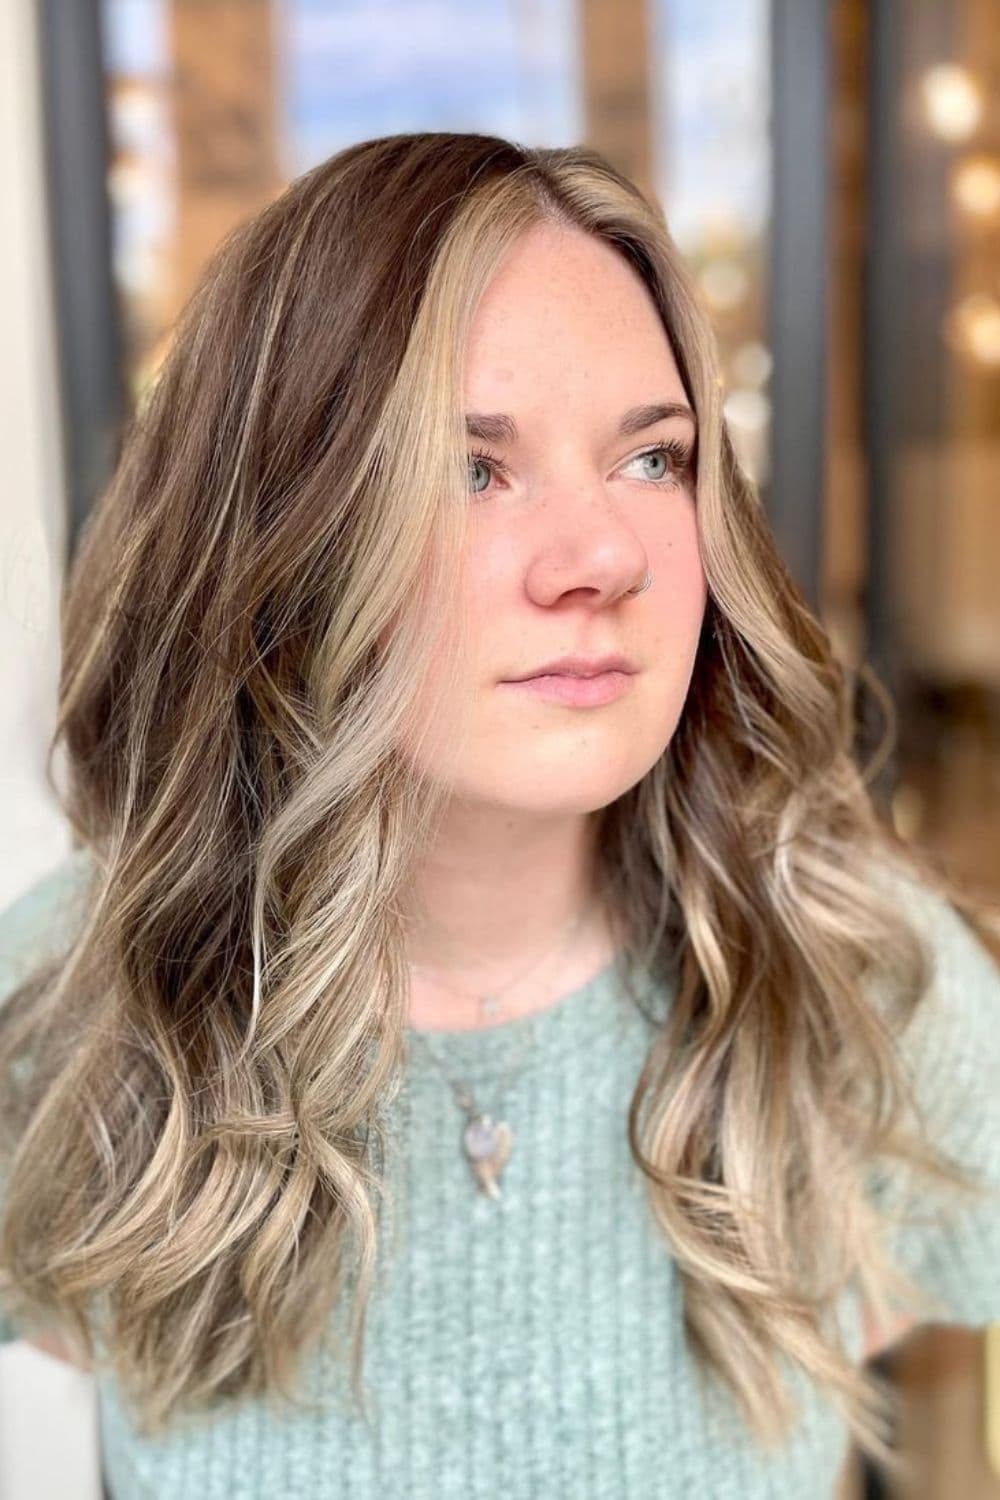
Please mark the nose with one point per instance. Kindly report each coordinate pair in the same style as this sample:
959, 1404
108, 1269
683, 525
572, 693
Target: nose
591, 551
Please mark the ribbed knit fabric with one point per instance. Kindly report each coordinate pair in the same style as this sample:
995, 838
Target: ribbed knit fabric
533, 1346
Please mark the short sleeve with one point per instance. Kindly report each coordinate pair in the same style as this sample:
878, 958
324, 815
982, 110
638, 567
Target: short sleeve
40, 924
951, 1051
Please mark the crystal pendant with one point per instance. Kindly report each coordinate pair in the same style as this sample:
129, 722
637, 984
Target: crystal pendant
487, 1145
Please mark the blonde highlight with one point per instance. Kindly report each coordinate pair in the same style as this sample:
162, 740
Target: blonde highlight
199, 1144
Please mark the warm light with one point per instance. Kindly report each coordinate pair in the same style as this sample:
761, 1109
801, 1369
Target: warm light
975, 185
138, 110
722, 232
748, 415
724, 283
748, 410
973, 327
131, 178
908, 809
751, 364
952, 100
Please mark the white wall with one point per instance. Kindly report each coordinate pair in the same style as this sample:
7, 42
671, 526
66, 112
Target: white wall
48, 1412
32, 506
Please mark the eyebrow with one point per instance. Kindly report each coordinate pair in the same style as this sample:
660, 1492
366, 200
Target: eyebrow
497, 427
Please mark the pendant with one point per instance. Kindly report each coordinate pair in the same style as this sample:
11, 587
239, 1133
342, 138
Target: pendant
487, 1146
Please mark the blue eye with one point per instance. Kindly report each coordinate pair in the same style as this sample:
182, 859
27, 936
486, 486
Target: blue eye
679, 456
675, 453
655, 453
483, 461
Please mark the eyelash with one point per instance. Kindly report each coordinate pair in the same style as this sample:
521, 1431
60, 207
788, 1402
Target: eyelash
679, 454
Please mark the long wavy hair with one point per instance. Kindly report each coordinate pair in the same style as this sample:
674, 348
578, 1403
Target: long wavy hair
193, 1094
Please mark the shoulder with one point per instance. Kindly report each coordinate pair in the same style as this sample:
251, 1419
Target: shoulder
41, 921
957, 1021
950, 1052
40, 924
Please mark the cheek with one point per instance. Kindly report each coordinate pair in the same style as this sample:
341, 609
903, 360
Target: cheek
668, 617
679, 592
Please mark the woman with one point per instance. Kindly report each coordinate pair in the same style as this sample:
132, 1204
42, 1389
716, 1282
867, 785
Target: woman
535, 1045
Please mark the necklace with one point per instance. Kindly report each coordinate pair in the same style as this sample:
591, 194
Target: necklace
489, 1000
486, 1141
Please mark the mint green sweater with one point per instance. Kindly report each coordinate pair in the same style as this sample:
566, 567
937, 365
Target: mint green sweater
532, 1345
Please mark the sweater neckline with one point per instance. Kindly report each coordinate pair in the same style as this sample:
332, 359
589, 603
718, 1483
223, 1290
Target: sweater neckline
525, 1044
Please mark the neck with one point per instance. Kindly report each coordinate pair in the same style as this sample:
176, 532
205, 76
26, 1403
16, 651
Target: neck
494, 899
438, 1003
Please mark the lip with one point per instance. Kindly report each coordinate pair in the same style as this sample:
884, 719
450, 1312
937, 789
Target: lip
575, 691
579, 666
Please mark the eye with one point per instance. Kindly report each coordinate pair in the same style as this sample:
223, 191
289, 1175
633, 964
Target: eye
483, 460
675, 454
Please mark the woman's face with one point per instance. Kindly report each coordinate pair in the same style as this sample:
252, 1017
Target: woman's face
565, 516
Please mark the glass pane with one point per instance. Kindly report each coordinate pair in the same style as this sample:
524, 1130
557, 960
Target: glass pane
943, 359
214, 108
711, 66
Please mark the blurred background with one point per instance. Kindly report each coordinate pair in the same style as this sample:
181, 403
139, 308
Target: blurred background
830, 171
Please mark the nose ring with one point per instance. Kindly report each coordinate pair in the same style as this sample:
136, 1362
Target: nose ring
644, 585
